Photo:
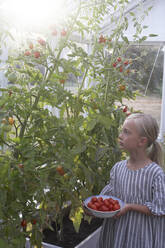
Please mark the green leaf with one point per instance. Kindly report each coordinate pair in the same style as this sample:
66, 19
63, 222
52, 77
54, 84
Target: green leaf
91, 124
4, 244
78, 149
77, 219
153, 35
105, 121
132, 13
143, 38
150, 8
125, 39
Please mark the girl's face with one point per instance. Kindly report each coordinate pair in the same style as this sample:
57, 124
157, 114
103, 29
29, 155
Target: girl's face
129, 138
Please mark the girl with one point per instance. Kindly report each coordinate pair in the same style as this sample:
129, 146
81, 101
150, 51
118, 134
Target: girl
140, 183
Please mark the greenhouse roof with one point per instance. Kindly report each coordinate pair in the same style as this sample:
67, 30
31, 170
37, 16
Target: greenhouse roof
154, 21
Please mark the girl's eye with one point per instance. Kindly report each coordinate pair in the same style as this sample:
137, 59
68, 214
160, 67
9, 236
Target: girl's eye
126, 131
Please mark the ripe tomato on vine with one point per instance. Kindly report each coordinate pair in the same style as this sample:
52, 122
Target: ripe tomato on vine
102, 39
23, 223
11, 120
27, 53
42, 42
34, 221
60, 170
62, 81
31, 45
125, 109
122, 87
63, 32
37, 54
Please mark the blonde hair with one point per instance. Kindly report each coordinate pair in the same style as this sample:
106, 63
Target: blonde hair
147, 127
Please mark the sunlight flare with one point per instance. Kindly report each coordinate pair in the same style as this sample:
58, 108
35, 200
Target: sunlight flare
35, 13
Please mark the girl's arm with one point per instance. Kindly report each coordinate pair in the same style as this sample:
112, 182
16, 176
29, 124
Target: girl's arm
134, 207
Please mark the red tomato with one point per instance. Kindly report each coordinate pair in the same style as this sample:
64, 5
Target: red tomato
34, 221
41, 42
102, 39
100, 202
113, 201
27, 53
54, 33
62, 81
125, 109
126, 62
37, 54
89, 204
104, 208
119, 59
110, 207
23, 223
100, 199
20, 166
60, 170
106, 202
116, 202
116, 207
97, 204
121, 69
114, 64
63, 33
94, 199
110, 200
94, 207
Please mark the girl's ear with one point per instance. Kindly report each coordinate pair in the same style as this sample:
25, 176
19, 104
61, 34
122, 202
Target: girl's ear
143, 141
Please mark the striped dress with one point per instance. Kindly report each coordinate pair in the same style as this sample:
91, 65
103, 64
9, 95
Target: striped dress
145, 186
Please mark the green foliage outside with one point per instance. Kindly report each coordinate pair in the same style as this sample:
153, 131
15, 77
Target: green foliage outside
148, 68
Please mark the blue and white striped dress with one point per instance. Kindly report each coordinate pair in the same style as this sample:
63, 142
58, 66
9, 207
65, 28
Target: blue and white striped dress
145, 186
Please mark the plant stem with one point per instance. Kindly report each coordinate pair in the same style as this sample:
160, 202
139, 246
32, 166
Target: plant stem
113, 55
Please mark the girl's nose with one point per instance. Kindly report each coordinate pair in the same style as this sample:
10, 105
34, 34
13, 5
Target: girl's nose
120, 134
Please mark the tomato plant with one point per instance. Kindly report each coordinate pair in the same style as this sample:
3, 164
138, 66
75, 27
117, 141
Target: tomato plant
51, 125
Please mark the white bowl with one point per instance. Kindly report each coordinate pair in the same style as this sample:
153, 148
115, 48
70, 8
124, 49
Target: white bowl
102, 214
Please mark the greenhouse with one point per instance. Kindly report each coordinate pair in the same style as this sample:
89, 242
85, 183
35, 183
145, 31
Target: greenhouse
77, 77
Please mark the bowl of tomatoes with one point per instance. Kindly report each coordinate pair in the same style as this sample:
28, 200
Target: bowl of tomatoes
103, 206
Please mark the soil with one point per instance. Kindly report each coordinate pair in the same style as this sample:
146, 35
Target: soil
71, 237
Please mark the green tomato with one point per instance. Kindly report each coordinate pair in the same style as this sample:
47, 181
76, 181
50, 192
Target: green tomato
100, 169
12, 77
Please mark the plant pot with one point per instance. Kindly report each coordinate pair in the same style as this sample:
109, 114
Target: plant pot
45, 245
90, 241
